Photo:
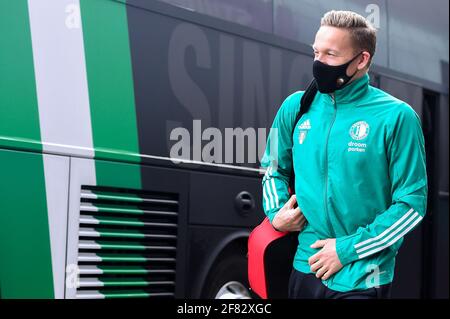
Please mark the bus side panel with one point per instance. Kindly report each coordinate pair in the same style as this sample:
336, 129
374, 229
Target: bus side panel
126, 239
25, 253
185, 72
19, 119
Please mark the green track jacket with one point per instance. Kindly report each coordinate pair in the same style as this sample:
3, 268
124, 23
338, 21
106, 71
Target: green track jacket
360, 177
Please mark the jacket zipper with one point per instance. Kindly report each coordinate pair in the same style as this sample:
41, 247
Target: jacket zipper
326, 169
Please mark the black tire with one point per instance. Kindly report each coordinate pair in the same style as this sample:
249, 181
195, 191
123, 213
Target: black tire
227, 269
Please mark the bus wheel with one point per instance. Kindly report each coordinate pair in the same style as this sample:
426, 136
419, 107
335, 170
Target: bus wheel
228, 279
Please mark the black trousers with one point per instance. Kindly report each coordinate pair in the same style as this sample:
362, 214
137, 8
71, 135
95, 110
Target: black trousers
308, 286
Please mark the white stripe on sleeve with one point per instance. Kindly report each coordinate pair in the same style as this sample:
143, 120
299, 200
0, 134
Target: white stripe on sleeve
392, 241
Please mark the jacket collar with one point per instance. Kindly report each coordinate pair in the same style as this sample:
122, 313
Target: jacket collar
352, 92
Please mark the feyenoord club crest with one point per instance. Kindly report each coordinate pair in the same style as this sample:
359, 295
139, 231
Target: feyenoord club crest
359, 130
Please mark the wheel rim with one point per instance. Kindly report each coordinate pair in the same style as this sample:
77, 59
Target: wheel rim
233, 290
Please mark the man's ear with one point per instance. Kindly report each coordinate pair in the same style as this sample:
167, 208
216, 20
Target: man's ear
364, 60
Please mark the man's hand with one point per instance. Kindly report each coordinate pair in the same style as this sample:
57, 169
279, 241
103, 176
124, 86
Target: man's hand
289, 218
326, 262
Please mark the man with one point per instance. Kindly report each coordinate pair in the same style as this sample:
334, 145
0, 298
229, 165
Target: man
360, 175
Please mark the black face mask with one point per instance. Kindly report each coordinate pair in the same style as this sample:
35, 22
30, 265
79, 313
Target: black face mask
330, 78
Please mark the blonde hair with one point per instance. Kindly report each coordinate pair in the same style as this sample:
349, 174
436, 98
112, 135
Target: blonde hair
362, 33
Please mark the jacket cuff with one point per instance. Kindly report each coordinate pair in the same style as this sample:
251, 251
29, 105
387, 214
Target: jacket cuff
345, 250
271, 216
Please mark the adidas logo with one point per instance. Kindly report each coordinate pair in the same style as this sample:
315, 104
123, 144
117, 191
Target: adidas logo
305, 125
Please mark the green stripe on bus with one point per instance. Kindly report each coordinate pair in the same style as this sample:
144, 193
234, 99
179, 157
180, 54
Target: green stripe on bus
120, 245
110, 82
119, 221
25, 255
25, 266
106, 208
132, 270
125, 294
121, 257
19, 117
115, 282
121, 233
114, 196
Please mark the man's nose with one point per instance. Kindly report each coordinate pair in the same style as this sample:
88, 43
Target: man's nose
320, 57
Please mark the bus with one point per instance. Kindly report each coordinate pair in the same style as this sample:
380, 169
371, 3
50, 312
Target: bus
116, 177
